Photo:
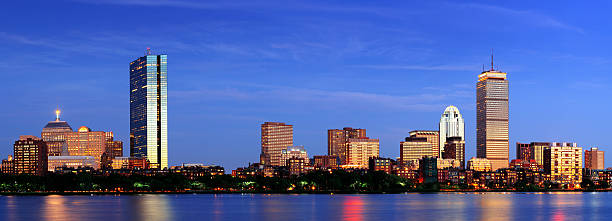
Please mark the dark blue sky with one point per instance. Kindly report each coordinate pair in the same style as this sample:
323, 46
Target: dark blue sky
389, 67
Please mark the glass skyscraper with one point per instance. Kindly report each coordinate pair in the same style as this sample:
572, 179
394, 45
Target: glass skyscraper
148, 109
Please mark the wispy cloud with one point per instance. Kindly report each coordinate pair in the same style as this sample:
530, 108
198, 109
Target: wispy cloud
531, 17
421, 67
324, 99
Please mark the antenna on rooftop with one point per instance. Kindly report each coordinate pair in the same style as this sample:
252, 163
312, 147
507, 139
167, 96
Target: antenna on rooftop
148, 52
492, 67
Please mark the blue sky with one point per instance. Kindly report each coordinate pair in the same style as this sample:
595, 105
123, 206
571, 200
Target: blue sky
390, 67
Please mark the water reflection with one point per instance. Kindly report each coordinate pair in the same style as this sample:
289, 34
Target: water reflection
353, 208
152, 207
495, 206
55, 208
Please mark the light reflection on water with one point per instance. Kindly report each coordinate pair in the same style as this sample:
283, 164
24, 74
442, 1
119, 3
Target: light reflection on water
442, 206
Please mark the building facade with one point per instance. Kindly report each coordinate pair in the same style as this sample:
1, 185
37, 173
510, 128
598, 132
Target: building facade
326, 162
594, 159
563, 161
275, 137
454, 148
360, 150
433, 137
149, 109
71, 162
415, 148
293, 152
8, 165
30, 155
479, 164
54, 135
492, 140
85, 142
451, 125
337, 141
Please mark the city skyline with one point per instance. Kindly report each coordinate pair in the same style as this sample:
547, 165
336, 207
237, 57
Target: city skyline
393, 78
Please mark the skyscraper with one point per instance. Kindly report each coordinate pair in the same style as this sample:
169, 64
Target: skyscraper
594, 159
492, 117
451, 125
149, 109
274, 138
54, 134
337, 141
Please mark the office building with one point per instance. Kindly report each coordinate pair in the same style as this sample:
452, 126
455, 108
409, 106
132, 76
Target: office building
479, 164
414, 148
433, 137
492, 117
451, 125
293, 152
337, 141
563, 161
594, 159
297, 166
54, 135
85, 142
454, 148
71, 162
149, 109
274, 138
524, 151
30, 155
360, 150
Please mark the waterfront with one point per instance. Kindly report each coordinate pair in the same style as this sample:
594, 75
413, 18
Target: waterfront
438, 206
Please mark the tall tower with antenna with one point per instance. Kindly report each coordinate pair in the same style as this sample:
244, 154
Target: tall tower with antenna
492, 137
149, 109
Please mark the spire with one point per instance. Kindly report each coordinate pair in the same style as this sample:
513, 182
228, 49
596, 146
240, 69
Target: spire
492, 69
57, 113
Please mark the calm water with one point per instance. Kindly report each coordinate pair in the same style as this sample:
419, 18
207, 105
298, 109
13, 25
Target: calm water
442, 207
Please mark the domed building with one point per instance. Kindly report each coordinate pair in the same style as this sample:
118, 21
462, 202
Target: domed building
54, 134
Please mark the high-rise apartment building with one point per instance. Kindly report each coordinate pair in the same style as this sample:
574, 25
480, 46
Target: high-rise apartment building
337, 141
54, 135
594, 159
275, 137
293, 152
492, 117
149, 109
432, 136
360, 150
563, 161
451, 125
30, 155
455, 149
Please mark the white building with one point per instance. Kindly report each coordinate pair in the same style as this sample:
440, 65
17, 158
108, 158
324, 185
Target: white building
451, 125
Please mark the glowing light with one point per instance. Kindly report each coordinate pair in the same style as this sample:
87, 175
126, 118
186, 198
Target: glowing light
57, 113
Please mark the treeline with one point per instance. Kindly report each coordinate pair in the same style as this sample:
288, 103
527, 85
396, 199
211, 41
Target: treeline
316, 181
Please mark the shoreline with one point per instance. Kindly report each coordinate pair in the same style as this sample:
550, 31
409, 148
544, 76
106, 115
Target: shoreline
288, 193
